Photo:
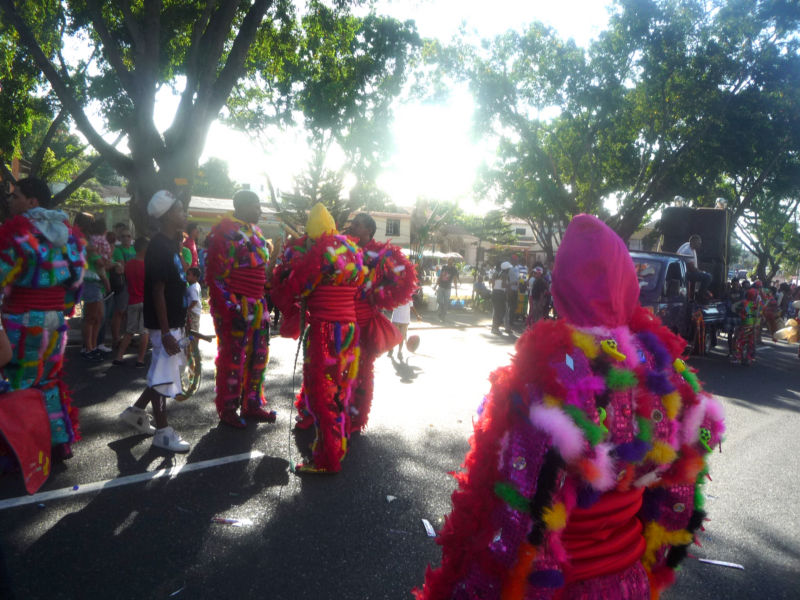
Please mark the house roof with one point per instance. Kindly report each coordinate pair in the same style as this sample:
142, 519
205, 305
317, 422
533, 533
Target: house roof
220, 204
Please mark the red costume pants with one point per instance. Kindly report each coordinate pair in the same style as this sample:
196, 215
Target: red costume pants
745, 343
243, 337
364, 389
330, 367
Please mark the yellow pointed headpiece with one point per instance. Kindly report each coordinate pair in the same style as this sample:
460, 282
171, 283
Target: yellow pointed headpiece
319, 222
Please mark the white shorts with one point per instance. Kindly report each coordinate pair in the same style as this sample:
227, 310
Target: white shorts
165, 371
402, 314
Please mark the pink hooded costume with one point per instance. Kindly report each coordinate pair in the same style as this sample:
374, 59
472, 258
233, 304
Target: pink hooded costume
585, 473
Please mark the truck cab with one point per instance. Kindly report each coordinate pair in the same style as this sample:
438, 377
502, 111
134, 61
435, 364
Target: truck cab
664, 289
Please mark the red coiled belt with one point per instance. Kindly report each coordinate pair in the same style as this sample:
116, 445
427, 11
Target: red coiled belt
23, 299
248, 281
605, 538
332, 303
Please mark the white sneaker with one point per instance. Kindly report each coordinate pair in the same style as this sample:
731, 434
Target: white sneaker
138, 419
168, 439
104, 348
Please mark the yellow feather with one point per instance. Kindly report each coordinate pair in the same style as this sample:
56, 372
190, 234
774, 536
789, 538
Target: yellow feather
555, 517
661, 453
586, 343
319, 222
672, 404
551, 400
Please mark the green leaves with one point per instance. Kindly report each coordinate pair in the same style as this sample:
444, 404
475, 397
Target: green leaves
676, 97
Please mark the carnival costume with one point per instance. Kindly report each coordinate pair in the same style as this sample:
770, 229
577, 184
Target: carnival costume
750, 310
587, 463
389, 284
236, 274
315, 282
42, 263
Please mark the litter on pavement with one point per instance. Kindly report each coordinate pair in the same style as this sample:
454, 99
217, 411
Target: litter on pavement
234, 522
721, 563
429, 528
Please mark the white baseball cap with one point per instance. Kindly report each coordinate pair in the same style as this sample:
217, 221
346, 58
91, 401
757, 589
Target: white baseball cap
160, 203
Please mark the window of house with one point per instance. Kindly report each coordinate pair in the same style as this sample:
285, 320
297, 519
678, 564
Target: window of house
392, 226
520, 231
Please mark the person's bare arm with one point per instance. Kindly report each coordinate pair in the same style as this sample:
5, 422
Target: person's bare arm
169, 342
5, 347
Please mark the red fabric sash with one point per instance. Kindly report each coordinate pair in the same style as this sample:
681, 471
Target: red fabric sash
377, 332
332, 303
248, 281
364, 312
25, 425
23, 299
605, 538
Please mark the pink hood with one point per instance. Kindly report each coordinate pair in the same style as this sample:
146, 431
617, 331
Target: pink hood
594, 280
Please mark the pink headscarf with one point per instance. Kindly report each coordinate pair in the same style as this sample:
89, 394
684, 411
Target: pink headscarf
594, 280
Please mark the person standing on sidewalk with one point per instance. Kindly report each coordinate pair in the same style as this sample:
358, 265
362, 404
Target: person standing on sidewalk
164, 310
512, 297
538, 295
448, 277
390, 283
99, 242
236, 275
134, 278
499, 296
42, 263
122, 253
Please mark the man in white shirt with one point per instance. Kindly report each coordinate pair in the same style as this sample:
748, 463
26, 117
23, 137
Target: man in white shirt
689, 250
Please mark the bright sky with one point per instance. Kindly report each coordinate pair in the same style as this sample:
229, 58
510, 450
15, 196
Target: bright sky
435, 155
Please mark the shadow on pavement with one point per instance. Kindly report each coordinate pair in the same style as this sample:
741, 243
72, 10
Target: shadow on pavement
406, 372
136, 541
339, 537
775, 369
760, 578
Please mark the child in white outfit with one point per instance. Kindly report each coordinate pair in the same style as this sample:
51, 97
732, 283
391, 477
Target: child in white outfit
401, 317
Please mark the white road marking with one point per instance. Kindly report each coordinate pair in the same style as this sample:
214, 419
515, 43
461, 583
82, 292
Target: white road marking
96, 486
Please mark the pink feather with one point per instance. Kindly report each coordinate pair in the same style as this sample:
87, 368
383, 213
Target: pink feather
566, 436
715, 417
693, 419
605, 466
625, 345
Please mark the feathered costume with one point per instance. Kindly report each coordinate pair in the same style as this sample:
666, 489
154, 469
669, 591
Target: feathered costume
315, 282
587, 462
390, 283
42, 263
791, 329
750, 310
236, 274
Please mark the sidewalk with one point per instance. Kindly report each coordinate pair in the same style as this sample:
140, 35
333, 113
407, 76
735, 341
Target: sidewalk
457, 318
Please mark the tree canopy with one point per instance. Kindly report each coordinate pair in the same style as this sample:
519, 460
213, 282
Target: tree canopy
676, 97
218, 55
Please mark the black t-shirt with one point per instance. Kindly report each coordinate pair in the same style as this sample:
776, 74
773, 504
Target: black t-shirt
162, 263
447, 275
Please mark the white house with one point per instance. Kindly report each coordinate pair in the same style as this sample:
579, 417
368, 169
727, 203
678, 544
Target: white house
394, 227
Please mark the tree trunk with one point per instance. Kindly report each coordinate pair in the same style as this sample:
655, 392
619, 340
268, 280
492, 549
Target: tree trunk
176, 175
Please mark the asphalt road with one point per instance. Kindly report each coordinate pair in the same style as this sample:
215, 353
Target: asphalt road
344, 537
